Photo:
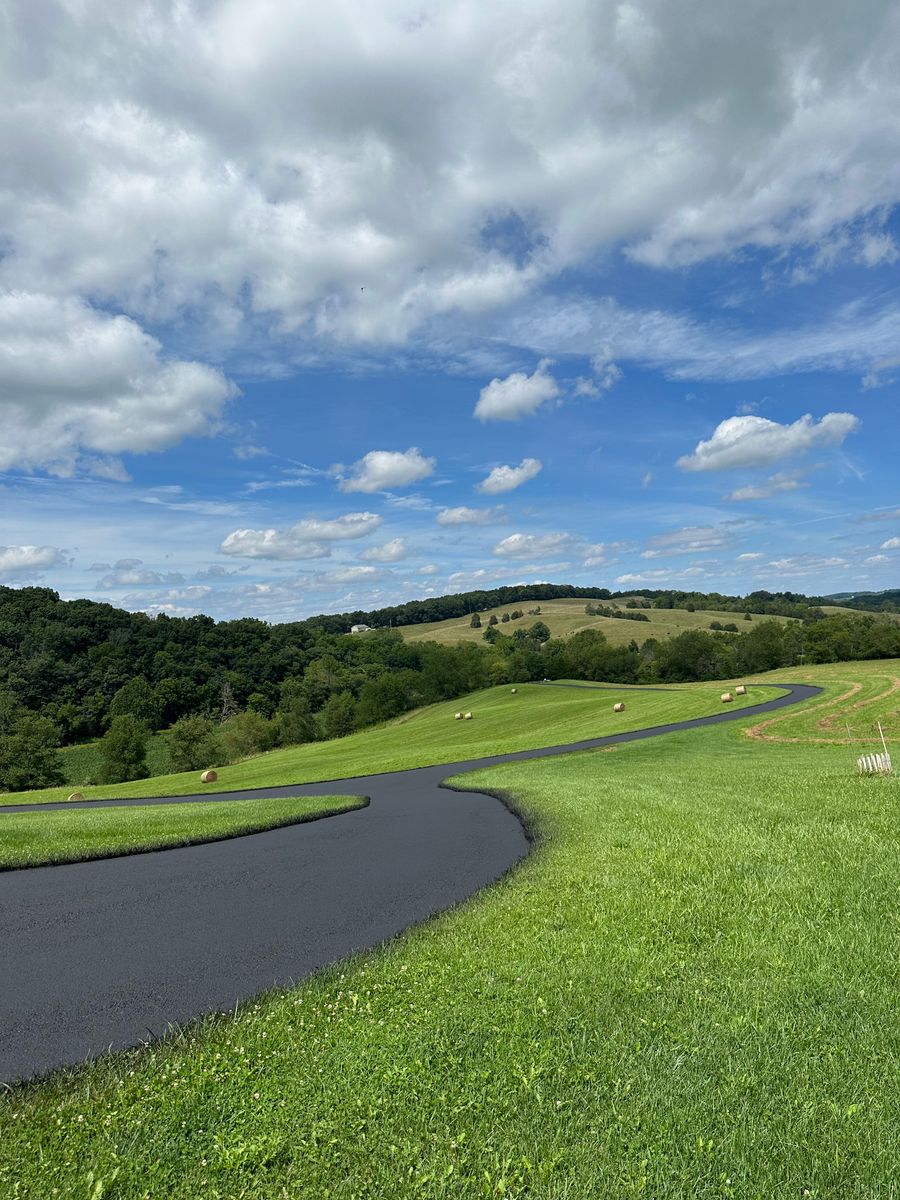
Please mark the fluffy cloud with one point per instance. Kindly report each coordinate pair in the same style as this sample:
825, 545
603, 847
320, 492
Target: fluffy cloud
76, 383
518, 395
380, 470
26, 562
891, 544
393, 551
507, 479
534, 545
307, 539
692, 539
660, 577
781, 482
470, 516
751, 441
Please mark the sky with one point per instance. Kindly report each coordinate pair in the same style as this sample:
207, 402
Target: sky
316, 308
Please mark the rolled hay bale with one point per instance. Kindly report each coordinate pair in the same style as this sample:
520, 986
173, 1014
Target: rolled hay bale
468, 717
76, 796
620, 707
209, 777
740, 690
727, 697
513, 690
457, 716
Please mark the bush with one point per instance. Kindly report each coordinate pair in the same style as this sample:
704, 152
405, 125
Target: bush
194, 743
246, 734
29, 757
339, 715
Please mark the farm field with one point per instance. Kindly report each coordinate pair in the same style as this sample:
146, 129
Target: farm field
535, 716
565, 617
82, 762
687, 990
38, 838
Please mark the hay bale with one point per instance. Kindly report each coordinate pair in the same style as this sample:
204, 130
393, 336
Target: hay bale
740, 690
457, 716
209, 777
76, 796
620, 707
727, 697
513, 690
468, 717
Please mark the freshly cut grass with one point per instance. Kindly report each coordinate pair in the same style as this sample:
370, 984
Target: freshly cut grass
535, 716
38, 838
565, 617
688, 990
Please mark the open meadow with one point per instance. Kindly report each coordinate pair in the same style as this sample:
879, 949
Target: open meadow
687, 990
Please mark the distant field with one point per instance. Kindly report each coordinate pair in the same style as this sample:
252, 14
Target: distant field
565, 617
838, 610
81, 763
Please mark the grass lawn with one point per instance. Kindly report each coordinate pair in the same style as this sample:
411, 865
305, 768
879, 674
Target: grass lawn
534, 716
36, 838
688, 990
564, 617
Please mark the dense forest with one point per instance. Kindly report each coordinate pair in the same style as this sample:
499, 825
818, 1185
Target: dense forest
71, 671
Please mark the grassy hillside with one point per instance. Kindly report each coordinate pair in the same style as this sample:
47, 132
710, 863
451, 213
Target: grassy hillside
534, 716
688, 990
564, 617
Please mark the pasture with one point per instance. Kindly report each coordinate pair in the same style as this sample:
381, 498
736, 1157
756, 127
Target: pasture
687, 990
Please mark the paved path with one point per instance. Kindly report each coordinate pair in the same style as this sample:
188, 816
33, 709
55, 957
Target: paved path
101, 955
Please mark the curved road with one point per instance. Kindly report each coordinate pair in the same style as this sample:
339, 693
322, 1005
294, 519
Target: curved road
105, 954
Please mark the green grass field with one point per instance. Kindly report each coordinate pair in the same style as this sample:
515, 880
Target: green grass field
82, 762
37, 838
565, 617
688, 990
534, 716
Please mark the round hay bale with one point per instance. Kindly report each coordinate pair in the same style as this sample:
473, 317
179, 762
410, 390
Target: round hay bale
468, 717
740, 690
513, 690
457, 716
209, 777
76, 796
727, 697
620, 707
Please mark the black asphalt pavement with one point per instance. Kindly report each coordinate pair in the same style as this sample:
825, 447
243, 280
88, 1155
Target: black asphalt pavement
105, 954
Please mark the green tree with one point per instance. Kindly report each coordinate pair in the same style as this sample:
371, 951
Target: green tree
247, 733
296, 724
475, 623
136, 699
493, 620
29, 755
339, 715
194, 743
123, 751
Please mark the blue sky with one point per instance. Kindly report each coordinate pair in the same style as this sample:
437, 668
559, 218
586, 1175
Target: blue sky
304, 311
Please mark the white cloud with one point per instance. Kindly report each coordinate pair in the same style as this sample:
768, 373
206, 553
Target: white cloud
660, 577
429, 569
132, 573
507, 479
393, 551
750, 557
751, 441
307, 539
891, 544
692, 539
76, 383
781, 482
470, 516
17, 562
875, 559
342, 576
380, 470
518, 395
533, 545
805, 564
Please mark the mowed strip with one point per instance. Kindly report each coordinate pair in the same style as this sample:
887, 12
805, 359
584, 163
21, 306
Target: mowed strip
503, 720
688, 989
58, 836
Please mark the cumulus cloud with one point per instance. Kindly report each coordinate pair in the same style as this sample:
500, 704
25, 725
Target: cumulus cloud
692, 539
470, 516
534, 545
380, 470
751, 441
23, 562
309, 538
76, 383
518, 395
876, 559
891, 544
781, 482
393, 551
507, 479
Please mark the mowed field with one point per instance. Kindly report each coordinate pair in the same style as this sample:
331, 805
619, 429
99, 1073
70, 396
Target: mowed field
534, 715
688, 990
564, 617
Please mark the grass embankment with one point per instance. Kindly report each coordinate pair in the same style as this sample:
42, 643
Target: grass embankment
535, 716
40, 838
565, 617
688, 990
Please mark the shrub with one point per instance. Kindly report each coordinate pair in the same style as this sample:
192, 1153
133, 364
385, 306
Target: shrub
194, 743
123, 751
